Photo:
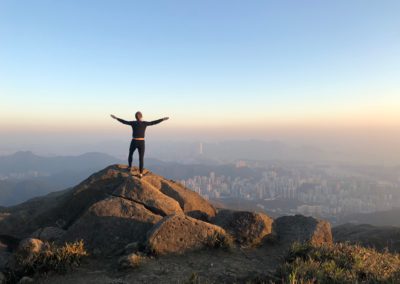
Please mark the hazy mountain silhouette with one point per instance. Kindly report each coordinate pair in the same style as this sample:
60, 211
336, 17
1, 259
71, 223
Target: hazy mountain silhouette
263, 150
24, 161
29, 175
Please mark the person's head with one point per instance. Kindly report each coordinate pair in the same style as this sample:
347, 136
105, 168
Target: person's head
138, 115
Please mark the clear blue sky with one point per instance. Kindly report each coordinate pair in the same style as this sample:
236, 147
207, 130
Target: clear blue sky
74, 62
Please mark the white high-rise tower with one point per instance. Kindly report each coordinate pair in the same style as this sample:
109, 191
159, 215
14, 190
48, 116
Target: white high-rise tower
201, 148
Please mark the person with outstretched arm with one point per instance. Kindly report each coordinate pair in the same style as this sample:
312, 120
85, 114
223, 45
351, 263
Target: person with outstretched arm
138, 131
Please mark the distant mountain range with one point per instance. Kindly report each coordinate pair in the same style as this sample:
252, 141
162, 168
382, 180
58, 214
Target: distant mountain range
25, 161
25, 175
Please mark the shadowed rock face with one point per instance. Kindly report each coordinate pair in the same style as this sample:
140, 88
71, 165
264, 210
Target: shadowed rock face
288, 229
108, 210
112, 223
180, 233
248, 228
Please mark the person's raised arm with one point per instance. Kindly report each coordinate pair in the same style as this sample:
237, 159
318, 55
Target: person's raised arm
121, 120
157, 121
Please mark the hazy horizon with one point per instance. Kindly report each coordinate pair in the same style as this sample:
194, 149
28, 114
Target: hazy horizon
314, 73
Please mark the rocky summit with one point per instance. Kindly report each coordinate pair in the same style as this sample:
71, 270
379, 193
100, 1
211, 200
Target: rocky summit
119, 215
108, 210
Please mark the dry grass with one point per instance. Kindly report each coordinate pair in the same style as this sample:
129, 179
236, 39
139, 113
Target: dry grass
339, 263
219, 240
132, 260
51, 258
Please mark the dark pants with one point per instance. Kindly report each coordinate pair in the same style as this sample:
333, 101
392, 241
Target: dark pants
136, 144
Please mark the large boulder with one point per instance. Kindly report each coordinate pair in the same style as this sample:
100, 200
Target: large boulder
248, 228
180, 233
191, 202
112, 223
49, 234
146, 194
289, 229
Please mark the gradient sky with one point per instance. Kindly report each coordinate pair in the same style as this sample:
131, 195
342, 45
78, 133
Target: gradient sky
209, 65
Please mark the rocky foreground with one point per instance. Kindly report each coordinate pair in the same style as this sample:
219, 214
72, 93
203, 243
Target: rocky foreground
149, 230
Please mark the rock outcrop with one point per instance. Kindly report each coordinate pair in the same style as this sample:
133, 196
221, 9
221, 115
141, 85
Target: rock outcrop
108, 210
112, 223
288, 229
152, 198
248, 228
180, 233
191, 203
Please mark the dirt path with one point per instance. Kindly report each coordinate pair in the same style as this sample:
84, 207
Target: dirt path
207, 266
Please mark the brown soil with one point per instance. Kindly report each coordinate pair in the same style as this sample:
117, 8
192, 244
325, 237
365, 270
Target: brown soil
237, 265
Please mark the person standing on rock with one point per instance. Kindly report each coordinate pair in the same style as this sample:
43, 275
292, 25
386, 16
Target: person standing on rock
138, 131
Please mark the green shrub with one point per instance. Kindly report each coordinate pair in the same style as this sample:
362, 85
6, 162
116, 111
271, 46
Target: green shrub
339, 263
